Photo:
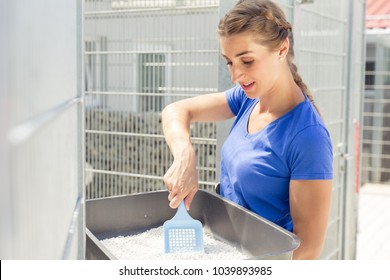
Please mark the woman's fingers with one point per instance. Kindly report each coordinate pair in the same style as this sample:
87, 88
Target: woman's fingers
188, 199
181, 180
176, 198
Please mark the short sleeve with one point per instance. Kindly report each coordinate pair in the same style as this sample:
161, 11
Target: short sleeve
311, 154
235, 98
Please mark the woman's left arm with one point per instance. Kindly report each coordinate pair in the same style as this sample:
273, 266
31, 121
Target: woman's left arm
309, 205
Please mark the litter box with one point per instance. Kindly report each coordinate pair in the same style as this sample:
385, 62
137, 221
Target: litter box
223, 219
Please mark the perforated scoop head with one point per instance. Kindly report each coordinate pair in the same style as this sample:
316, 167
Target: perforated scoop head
182, 233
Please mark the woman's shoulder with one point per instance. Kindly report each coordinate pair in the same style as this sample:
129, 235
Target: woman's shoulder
305, 125
307, 116
307, 137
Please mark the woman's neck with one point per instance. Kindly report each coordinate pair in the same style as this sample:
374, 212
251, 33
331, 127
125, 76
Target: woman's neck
282, 98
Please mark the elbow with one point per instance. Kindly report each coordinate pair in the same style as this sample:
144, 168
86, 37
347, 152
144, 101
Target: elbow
169, 113
175, 108
315, 254
305, 252
310, 247
308, 255
175, 111
168, 108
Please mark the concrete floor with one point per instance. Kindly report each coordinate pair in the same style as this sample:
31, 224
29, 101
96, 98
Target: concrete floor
373, 237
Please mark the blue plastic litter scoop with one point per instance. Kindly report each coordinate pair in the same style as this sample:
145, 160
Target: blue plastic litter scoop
183, 233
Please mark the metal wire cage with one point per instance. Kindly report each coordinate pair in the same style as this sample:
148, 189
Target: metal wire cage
140, 56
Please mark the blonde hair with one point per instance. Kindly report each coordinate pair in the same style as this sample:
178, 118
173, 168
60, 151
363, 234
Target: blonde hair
267, 22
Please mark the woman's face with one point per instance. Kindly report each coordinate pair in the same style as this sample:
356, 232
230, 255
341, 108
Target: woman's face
253, 66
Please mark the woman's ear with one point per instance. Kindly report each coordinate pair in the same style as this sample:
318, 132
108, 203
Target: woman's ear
283, 49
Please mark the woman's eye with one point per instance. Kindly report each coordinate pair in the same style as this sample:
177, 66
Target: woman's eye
228, 63
247, 62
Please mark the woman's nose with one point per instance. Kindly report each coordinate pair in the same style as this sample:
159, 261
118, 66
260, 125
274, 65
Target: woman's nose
235, 74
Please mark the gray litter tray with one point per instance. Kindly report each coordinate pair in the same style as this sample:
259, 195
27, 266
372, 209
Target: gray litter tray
226, 221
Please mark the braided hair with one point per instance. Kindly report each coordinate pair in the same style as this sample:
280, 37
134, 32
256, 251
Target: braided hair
265, 20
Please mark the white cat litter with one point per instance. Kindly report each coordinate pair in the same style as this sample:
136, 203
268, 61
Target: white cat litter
149, 245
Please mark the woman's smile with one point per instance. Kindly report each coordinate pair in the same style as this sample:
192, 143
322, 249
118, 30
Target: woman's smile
247, 86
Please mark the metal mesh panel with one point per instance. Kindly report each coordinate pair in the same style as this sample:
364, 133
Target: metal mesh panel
141, 56
321, 54
329, 40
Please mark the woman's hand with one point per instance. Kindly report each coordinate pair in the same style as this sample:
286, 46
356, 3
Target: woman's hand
181, 178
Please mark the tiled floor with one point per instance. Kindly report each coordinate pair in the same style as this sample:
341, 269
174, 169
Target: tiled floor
373, 237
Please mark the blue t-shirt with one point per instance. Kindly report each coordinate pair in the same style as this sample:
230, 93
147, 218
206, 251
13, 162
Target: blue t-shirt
256, 169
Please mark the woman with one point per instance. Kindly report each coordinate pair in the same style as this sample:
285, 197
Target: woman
277, 159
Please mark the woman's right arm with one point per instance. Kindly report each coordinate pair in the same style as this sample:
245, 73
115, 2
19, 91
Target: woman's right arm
181, 178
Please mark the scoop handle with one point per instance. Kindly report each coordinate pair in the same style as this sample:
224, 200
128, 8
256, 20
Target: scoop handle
182, 213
